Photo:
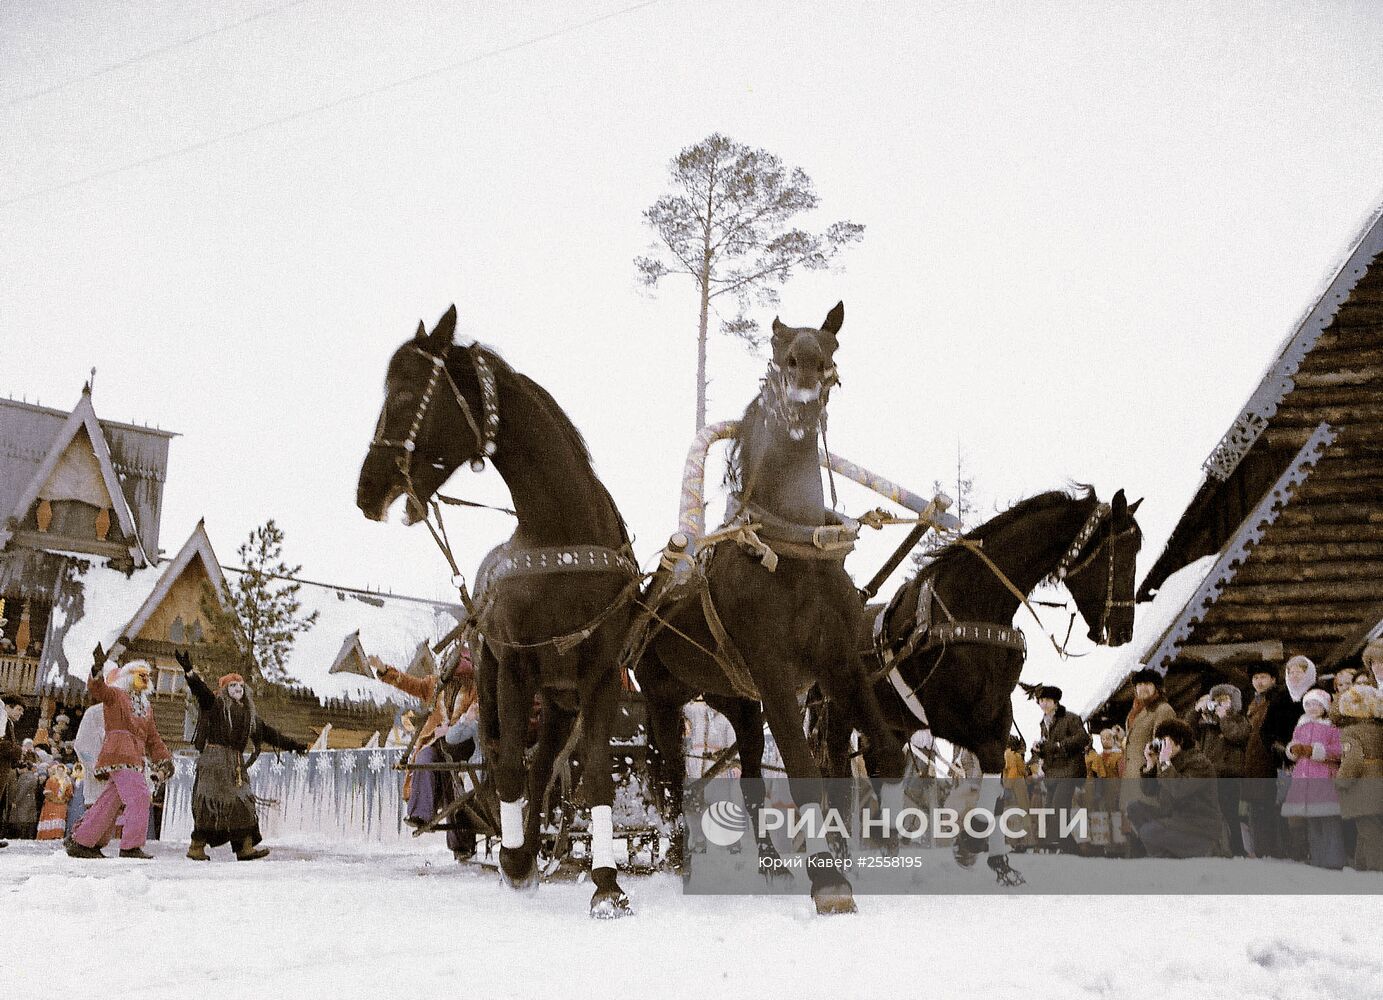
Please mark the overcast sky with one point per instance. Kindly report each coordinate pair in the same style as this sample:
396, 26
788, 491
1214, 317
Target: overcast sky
1088, 228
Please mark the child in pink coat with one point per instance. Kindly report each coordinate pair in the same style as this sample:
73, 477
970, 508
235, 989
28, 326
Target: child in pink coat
1315, 747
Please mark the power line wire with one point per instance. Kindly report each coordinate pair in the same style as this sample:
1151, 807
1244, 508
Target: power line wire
316, 109
36, 94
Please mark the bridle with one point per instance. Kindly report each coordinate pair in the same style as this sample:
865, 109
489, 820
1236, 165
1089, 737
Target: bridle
486, 429
1069, 568
779, 407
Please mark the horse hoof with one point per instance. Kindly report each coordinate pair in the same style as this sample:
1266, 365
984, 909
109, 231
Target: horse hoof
1004, 873
964, 857
518, 869
834, 899
609, 901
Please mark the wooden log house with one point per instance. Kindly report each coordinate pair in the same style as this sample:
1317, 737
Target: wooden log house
1283, 539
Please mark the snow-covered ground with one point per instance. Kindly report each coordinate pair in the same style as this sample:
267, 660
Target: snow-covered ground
319, 920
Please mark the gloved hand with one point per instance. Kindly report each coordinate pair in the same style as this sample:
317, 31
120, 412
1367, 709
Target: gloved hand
184, 660
1298, 750
98, 660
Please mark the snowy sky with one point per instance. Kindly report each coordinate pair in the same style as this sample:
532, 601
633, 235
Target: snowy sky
1088, 227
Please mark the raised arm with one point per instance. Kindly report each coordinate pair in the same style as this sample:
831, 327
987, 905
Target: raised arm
205, 698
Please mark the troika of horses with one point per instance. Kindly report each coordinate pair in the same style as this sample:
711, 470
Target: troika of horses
758, 617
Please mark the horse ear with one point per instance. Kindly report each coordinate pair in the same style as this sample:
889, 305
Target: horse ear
834, 319
1133, 507
1119, 505
422, 331
445, 330
778, 326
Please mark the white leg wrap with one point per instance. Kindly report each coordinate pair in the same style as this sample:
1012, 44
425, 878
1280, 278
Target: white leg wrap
511, 824
991, 787
602, 838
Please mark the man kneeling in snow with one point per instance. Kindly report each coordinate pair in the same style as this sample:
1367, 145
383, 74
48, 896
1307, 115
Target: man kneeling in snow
1183, 819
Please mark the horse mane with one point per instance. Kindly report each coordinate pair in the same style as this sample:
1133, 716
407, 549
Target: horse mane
953, 552
734, 467
572, 437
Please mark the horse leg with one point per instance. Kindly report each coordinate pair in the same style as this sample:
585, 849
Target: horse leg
746, 718
665, 697
968, 846
553, 731
517, 857
831, 891
599, 703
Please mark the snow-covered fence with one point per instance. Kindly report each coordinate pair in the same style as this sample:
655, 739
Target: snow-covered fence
348, 795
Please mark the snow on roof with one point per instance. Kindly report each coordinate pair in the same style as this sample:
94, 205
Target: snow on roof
94, 607
1150, 622
390, 628
99, 603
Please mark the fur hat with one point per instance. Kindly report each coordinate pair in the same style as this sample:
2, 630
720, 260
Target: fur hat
1177, 730
1235, 696
1049, 691
1147, 676
1359, 702
1317, 695
228, 679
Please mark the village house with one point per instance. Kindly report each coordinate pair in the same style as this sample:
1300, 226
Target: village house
81, 562
1280, 550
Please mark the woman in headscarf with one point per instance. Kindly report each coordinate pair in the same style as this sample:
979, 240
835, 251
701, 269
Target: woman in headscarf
223, 803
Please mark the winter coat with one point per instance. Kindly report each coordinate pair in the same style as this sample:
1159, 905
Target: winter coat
1183, 792
1064, 740
1278, 724
1143, 719
1360, 777
129, 737
425, 689
52, 820
1259, 759
1312, 792
229, 723
23, 805
1222, 740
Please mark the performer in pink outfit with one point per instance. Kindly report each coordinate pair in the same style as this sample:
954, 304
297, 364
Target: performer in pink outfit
131, 736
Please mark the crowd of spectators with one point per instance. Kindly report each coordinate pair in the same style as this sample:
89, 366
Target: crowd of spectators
41, 779
1296, 773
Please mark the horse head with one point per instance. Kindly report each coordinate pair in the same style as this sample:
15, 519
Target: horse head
802, 373
431, 422
1102, 567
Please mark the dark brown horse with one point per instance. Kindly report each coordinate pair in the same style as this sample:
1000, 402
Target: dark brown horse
552, 604
949, 656
775, 632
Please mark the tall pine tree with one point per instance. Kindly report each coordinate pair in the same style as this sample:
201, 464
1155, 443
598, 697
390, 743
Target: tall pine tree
728, 224
264, 600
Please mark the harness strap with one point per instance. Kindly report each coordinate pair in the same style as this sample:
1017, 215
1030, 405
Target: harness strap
729, 658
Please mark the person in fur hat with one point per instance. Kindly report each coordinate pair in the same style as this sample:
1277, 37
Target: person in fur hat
1179, 816
1360, 777
1062, 749
1315, 746
223, 803
1372, 658
1222, 732
1262, 764
1150, 709
131, 737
